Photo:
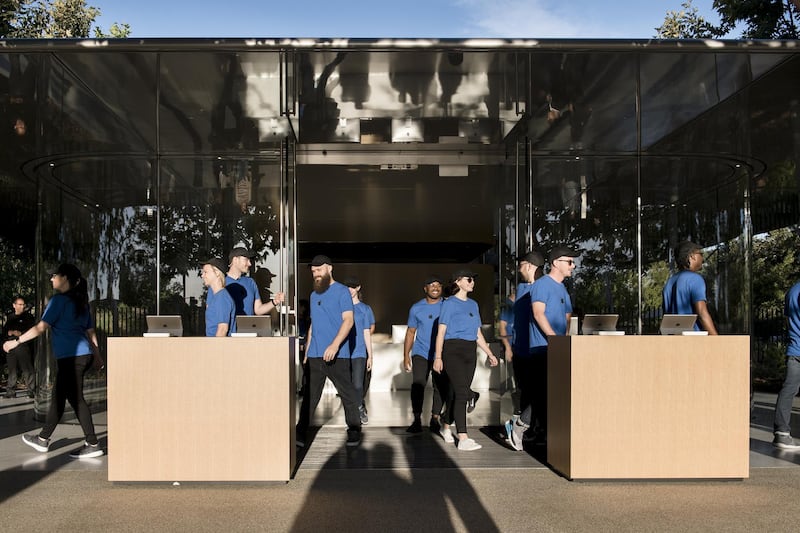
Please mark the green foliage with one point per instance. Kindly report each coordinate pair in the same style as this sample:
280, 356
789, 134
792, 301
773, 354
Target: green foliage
763, 19
53, 19
775, 267
116, 31
18, 274
685, 24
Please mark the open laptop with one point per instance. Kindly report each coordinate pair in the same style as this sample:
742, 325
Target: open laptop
594, 324
261, 325
677, 324
164, 325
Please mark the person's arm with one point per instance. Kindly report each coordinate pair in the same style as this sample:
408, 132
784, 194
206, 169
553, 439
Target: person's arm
368, 344
704, 317
438, 365
341, 335
31, 334
262, 308
222, 330
308, 344
541, 319
483, 345
509, 355
408, 345
97, 361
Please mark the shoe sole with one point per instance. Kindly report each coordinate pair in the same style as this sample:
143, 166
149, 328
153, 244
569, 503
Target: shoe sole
98, 453
353, 444
786, 446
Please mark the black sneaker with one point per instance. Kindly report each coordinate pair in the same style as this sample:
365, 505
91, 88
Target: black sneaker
434, 425
86, 451
362, 415
300, 439
415, 427
472, 401
784, 441
353, 437
36, 442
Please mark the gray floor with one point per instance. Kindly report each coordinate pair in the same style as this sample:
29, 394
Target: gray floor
392, 482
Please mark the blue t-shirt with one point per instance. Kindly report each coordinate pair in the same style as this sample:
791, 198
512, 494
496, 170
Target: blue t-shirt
462, 318
681, 291
557, 304
69, 331
220, 309
507, 316
243, 291
424, 317
364, 318
326, 319
523, 320
791, 309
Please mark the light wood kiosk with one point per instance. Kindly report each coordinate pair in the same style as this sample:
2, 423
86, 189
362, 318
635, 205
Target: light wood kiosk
648, 407
201, 409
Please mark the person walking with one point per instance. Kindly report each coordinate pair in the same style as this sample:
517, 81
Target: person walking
418, 353
791, 384
74, 343
243, 289
360, 340
220, 307
458, 334
685, 292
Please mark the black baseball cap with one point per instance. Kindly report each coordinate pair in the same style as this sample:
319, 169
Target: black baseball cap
464, 273
216, 263
320, 260
352, 282
533, 257
240, 251
561, 251
432, 279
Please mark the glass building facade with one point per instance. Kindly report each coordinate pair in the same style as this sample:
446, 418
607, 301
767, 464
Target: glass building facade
137, 159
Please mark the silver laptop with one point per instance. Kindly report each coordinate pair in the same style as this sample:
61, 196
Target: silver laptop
677, 324
261, 325
161, 324
594, 324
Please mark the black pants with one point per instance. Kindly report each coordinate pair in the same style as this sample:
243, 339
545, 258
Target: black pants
338, 371
20, 357
69, 388
531, 376
459, 360
421, 369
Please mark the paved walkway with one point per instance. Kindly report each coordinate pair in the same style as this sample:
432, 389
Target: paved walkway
392, 482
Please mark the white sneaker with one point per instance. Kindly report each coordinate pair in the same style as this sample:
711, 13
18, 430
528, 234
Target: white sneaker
468, 444
517, 431
446, 434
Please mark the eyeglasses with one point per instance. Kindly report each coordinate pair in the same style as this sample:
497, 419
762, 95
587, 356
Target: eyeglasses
570, 262
469, 279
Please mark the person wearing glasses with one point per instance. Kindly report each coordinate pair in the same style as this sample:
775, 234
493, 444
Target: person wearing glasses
418, 353
75, 348
685, 292
458, 334
552, 310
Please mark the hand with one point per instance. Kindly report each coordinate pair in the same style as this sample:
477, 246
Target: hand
278, 298
369, 364
493, 360
10, 345
97, 362
509, 356
407, 363
330, 353
438, 365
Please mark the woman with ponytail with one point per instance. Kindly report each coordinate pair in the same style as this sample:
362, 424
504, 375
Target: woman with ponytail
75, 349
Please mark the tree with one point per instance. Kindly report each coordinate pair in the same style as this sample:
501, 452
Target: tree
53, 19
763, 19
685, 24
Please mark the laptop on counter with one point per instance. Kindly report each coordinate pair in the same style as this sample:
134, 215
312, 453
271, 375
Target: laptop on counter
164, 326
597, 324
677, 324
247, 325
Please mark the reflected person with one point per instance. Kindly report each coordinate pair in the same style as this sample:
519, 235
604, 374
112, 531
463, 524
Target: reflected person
685, 292
20, 357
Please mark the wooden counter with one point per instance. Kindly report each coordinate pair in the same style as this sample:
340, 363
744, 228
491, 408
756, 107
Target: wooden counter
649, 406
201, 409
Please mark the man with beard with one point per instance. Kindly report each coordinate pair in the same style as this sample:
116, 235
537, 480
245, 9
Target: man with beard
418, 352
328, 351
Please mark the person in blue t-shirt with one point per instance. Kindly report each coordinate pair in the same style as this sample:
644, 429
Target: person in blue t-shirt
243, 288
418, 352
328, 351
551, 308
685, 292
529, 267
360, 340
791, 384
458, 334
75, 349
220, 309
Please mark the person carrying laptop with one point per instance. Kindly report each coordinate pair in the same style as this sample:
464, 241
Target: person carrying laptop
685, 292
